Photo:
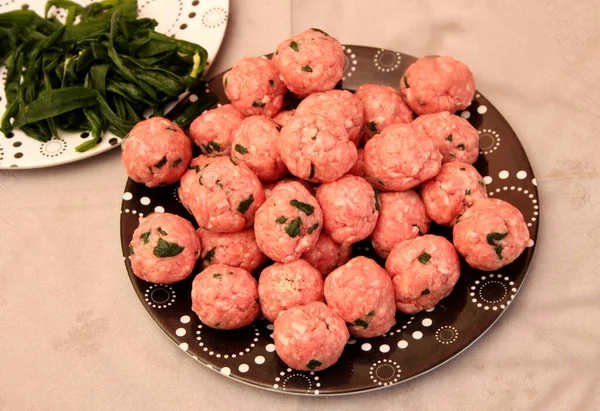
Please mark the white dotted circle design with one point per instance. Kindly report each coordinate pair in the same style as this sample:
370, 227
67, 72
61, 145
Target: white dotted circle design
308, 378
504, 288
446, 334
529, 194
409, 322
236, 354
384, 372
489, 140
387, 60
159, 296
176, 194
214, 17
53, 148
350, 62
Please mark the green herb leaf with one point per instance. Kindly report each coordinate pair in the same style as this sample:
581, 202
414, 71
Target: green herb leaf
424, 258
304, 207
307, 69
311, 174
217, 275
161, 231
498, 250
360, 323
272, 83
461, 146
245, 204
165, 249
449, 138
372, 126
209, 255
312, 228
418, 228
495, 236
215, 146
468, 192
241, 149
161, 163
294, 46
233, 161
425, 291
145, 237
131, 251
293, 228
320, 31
380, 182
371, 313
462, 169
377, 203
258, 103
312, 364
458, 218
197, 168
405, 82
281, 219
219, 184
176, 163
171, 129
481, 183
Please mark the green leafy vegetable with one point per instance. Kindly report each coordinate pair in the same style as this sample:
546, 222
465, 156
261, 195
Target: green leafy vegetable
425, 291
176, 163
481, 183
405, 82
241, 149
217, 275
461, 146
131, 251
311, 174
495, 236
219, 184
293, 228
281, 219
424, 258
360, 323
320, 31
372, 126
312, 228
371, 313
197, 168
377, 203
233, 161
307, 69
468, 191
165, 249
145, 237
161, 231
458, 218
212, 146
312, 364
449, 138
304, 207
245, 204
161, 162
498, 250
209, 255
294, 46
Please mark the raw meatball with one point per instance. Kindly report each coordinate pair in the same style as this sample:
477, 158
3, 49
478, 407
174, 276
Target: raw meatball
156, 152
284, 117
214, 130
402, 216
255, 143
289, 223
452, 135
336, 105
164, 248
327, 254
400, 158
435, 84
350, 209
310, 337
490, 234
309, 62
361, 292
316, 148
225, 297
424, 270
382, 106
452, 191
285, 285
234, 249
358, 169
254, 88
223, 195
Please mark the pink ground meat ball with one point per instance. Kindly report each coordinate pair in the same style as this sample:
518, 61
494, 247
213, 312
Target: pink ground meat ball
361, 292
255, 143
490, 234
327, 254
336, 105
435, 84
164, 248
284, 117
316, 149
214, 130
288, 224
309, 62
402, 216
282, 286
234, 249
310, 337
358, 169
400, 158
452, 135
424, 270
452, 191
156, 152
382, 106
222, 195
350, 209
225, 297
254, 88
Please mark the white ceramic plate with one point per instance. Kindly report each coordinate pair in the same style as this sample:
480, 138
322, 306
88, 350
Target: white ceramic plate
203, 22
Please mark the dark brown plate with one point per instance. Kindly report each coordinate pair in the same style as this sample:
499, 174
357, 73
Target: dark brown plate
417, 343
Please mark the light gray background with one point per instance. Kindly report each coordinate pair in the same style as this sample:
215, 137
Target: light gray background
73, 335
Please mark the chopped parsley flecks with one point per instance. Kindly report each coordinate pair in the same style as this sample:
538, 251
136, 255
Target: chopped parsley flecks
312, 228
165, 249
245, 204
293, 228
304, 207
424, 258
161, 163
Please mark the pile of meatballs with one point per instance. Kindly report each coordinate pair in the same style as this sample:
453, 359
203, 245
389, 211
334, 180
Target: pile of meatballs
300, 187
